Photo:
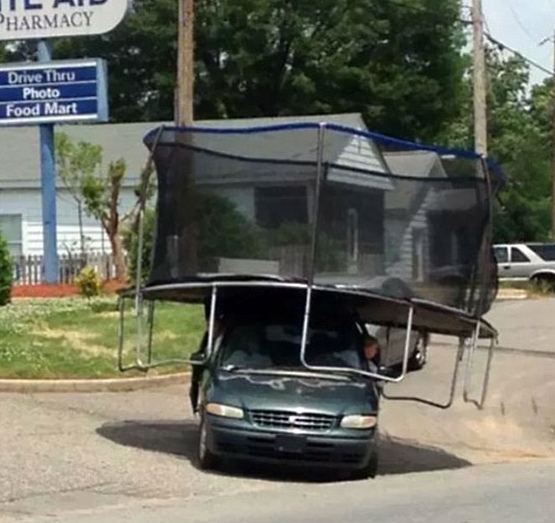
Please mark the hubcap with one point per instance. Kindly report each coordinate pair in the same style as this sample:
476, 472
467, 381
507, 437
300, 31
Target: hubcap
421, 351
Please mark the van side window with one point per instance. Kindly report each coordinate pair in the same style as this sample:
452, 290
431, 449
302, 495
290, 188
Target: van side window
518, 256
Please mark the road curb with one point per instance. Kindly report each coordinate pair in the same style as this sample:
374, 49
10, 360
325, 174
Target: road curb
94, 385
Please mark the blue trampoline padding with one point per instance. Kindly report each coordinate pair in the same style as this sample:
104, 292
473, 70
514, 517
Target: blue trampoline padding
292, 126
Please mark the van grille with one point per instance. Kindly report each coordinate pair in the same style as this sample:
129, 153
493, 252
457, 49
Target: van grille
292, 420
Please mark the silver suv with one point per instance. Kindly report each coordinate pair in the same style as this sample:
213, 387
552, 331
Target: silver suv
526, 262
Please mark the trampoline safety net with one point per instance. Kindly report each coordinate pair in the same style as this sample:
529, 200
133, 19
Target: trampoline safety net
326, 204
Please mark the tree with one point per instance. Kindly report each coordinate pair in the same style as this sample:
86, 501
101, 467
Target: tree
396, 62
74, 163
99, 190
223, 232
518, 135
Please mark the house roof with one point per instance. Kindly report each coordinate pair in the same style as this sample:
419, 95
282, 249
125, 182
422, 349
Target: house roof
416, 164
411, 164
239, 158
19, 146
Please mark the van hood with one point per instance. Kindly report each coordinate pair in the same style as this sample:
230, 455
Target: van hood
289, 392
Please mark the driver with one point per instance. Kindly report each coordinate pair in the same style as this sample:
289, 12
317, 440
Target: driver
371, 352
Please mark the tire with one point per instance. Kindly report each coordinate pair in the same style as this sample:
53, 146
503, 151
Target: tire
369, 471
419, 356
206, 460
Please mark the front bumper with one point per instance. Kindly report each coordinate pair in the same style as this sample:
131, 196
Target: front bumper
323, 450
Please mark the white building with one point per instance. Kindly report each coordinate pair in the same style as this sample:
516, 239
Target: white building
378, 214
20, 187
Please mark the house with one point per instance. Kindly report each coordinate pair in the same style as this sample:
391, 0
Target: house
20, 187
20, 195
433, 230
270, 175
409, 236
376, 223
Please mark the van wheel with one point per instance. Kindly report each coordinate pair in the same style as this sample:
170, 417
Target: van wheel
419, 356
206, 460
369, 471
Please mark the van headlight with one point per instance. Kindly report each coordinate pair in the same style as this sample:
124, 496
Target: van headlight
359, 421
225, 411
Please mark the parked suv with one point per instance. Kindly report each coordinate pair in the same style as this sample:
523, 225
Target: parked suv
526, 262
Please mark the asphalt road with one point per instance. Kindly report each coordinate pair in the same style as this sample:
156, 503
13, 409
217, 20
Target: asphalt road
77, 457
486, 494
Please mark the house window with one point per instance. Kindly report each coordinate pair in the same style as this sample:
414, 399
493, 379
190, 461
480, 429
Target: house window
418, 253
352, 234
11, 227
278, 205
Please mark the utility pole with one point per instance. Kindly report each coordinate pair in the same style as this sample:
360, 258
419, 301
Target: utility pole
553, 145
186, 193
479, 80
552, 155
475, 302
185, 64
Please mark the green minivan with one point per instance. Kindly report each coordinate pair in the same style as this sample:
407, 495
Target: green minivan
258, 401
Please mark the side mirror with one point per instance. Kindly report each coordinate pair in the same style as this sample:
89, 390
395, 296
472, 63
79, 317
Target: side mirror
197, 359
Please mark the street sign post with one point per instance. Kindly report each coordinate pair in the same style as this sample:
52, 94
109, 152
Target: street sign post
53, 92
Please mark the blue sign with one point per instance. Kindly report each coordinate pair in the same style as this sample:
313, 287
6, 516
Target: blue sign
53, 92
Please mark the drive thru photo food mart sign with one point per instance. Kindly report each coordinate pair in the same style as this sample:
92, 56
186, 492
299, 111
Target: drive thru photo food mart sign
54, 92
30, 19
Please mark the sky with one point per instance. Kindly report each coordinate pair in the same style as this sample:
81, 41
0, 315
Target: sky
522, 25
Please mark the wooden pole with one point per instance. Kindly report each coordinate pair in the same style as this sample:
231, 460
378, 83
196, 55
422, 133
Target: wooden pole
185, 63
479, 80
479, 278
186, 194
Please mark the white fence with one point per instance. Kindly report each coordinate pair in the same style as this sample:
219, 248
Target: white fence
29, 270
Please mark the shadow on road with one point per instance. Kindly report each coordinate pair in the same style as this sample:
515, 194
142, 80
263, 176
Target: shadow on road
180, 440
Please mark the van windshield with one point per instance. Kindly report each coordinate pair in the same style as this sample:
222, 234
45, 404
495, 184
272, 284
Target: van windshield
278, 346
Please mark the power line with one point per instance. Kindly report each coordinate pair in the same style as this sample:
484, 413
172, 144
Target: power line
504, 47
487, 33
519, 21
485, 21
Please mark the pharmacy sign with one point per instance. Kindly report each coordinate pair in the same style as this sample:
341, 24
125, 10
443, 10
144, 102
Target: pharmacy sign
29, 19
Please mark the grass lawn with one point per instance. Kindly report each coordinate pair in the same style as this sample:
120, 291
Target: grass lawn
74, 338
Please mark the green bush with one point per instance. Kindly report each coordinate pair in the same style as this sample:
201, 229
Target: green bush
88, 282
328, 256
222, 232
5, 272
